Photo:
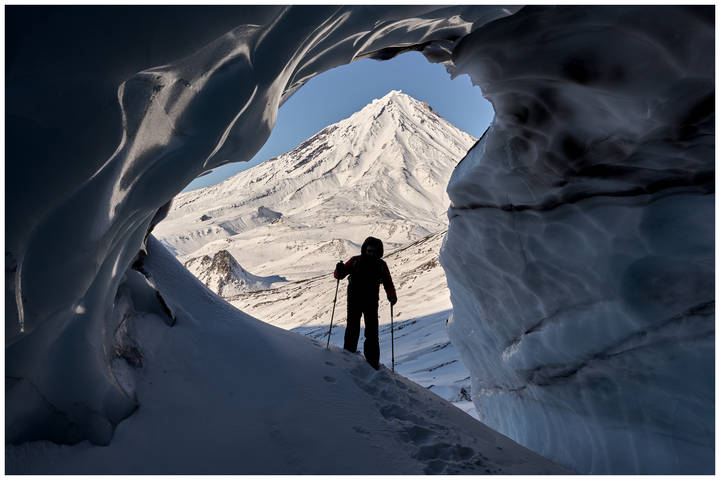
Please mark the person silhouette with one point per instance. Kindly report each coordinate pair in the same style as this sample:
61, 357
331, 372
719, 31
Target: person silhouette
367, 271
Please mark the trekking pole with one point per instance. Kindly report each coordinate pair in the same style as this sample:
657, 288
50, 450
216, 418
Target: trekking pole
333, 312
392, 338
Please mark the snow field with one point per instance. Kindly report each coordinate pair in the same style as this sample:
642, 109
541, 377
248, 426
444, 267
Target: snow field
222, 393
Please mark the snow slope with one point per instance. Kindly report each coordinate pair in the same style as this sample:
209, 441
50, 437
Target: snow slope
381, 172
223, 393
423, 352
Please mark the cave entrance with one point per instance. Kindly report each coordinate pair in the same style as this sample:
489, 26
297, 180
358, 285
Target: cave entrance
365, 149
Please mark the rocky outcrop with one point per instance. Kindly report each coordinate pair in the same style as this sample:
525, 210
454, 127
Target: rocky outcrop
223, 275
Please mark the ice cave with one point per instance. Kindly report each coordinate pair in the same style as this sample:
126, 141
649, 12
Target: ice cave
580, 253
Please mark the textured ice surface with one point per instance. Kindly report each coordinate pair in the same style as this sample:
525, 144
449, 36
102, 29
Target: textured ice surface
580, 249
580, 252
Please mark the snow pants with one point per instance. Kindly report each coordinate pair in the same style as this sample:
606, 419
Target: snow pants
371, 348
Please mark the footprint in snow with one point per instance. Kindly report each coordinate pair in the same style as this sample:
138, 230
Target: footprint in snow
388, 396
363, 371
394, 411
449, 459
418, 435
444, 451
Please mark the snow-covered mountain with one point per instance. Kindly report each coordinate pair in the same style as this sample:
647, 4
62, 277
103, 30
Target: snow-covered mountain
381, 172
224, 275
373, 172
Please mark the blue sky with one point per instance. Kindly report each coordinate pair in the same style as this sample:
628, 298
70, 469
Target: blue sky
340, 92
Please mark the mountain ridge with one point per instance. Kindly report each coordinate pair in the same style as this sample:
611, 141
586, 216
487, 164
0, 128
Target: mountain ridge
381, 171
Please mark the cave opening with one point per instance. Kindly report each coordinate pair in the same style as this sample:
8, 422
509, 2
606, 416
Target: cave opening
618, 164
364, 149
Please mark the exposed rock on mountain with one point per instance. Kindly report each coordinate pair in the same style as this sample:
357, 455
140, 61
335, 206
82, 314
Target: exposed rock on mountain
224, 275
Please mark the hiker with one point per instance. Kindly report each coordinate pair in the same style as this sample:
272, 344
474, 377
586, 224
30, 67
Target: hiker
367, 271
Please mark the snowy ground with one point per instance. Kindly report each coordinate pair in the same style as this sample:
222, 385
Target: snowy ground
221, 393
423, 352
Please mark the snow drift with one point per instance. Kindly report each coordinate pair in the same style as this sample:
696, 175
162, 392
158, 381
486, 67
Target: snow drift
580, 249
223, 393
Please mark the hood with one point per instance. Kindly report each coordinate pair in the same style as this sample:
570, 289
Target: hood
372, 241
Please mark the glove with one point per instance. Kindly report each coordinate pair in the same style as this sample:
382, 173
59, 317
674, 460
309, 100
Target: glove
393, 300
340, 266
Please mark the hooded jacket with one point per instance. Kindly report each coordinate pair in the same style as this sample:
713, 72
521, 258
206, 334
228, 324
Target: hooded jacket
367, 273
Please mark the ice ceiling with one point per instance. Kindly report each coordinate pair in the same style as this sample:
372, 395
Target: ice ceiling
580, 254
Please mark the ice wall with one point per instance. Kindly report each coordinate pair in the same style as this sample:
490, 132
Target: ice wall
580, 255
94, 149
588, 299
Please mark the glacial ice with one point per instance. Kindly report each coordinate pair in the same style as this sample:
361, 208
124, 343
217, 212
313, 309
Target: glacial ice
580, 253
580, 250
